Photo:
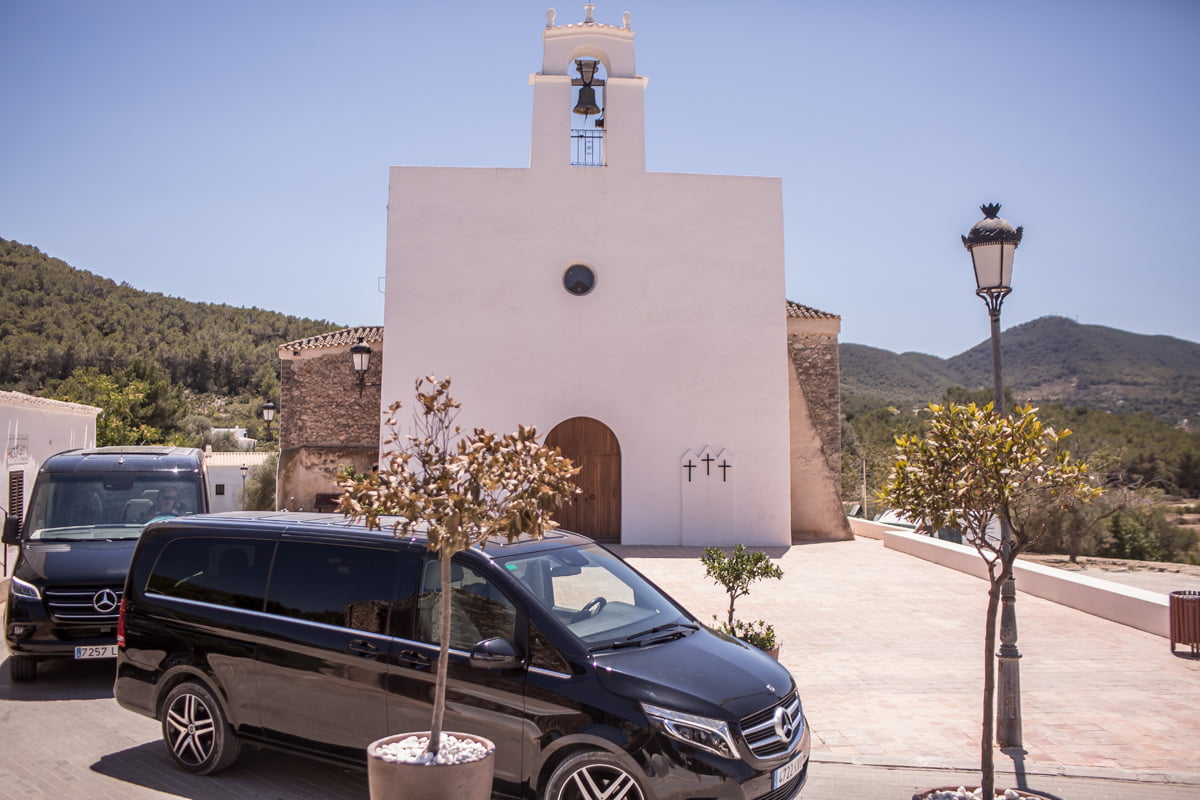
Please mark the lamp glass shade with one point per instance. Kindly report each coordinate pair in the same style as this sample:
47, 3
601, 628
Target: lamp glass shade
993, 264
268, 412
362, 359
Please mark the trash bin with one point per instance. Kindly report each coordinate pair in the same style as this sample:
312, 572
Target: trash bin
1185, 620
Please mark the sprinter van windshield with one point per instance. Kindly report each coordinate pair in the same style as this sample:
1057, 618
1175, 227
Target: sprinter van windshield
70, 507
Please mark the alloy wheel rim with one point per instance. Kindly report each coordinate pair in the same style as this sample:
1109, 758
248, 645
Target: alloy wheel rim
191, 729
600, 782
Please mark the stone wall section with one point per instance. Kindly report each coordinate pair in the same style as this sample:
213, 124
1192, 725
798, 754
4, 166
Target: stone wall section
814, 358
324, 421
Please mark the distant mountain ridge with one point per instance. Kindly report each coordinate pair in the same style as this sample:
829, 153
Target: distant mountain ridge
1051, 359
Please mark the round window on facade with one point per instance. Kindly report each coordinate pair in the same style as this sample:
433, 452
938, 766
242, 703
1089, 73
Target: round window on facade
579, 279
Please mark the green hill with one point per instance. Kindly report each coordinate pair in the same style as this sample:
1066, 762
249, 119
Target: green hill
55, 318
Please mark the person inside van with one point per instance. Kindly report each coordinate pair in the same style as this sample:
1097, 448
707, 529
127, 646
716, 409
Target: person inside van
167, 503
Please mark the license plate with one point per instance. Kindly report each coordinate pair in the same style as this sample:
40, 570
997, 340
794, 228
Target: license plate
102, 651
788, 771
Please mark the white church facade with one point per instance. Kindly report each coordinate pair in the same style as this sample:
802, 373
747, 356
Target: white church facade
636, 318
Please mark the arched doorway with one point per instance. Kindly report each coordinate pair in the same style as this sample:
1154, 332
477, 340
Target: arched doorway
593, 447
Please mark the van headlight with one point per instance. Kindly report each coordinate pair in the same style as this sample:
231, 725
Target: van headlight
708, 734
24, 589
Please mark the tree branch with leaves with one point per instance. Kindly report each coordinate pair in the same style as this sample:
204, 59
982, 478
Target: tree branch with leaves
459, 490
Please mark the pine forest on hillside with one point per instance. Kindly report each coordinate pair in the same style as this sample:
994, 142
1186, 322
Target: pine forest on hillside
70, 334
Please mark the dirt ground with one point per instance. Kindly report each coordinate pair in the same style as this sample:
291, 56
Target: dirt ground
1154, 576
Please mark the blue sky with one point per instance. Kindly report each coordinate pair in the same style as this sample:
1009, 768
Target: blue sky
237, 151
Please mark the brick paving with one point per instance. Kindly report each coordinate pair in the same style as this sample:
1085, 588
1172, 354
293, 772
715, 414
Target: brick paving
887, 650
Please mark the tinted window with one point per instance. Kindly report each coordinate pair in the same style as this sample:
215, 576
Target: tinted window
343, 585
225, 571
478, 610
544, 655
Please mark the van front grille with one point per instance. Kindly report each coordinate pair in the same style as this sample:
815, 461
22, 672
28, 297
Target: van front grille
764, 729
84, 604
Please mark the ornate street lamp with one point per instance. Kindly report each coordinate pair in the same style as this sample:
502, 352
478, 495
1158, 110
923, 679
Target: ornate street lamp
268, 414
992, 243
360, 357
243, 469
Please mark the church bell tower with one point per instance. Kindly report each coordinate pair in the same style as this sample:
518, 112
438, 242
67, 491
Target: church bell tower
588, 107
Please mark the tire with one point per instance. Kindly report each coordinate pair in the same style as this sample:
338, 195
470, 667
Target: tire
22, 669
593, 775
196, 732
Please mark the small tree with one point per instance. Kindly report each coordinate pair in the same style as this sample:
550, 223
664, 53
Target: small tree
736, 571
973, 466
458, 490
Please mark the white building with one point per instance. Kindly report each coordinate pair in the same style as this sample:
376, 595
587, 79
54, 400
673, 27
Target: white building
227, 476
36, 428
636, 318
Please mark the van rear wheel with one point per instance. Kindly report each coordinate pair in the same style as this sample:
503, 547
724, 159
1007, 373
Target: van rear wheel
593, 775
22, 669
195, 730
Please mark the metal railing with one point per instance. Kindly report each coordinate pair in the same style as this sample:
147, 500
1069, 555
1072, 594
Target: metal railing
587, 147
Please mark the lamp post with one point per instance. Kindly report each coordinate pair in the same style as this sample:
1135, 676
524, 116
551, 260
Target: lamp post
268, 414
243, 469
992, 243
360, 357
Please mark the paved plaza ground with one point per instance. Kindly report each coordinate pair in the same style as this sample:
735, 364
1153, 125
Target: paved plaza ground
888, 651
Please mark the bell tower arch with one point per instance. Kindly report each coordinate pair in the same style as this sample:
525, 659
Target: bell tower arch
588, 101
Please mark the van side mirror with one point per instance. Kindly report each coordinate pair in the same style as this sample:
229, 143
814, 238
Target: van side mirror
12, 529
496, 653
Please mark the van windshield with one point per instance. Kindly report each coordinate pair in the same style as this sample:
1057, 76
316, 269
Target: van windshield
598, 597
107, 506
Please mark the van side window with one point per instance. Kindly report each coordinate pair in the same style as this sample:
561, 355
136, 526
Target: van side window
343, 585
223, 571
544, 655
478, 609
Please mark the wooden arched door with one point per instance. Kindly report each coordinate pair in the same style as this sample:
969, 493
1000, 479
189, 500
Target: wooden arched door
593, 447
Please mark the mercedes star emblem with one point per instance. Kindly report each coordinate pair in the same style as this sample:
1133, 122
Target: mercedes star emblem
105, 601
785, 726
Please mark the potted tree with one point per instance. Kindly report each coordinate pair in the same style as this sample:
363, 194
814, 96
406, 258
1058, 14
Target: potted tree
459, 490
736, 571
974, 467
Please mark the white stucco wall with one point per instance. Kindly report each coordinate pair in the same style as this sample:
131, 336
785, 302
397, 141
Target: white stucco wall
680, 346
34, 429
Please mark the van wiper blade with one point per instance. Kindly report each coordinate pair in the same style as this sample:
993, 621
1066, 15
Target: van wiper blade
664, 627
617, 645
638, 639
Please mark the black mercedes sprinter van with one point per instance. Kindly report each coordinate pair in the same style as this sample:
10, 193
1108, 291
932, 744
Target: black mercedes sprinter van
86, 512
311, 633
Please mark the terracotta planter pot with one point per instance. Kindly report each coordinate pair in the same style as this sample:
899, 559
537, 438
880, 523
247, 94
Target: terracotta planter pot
774, 651
398, 780
1026, 794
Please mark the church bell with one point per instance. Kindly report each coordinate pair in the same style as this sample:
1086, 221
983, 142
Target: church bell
586, 104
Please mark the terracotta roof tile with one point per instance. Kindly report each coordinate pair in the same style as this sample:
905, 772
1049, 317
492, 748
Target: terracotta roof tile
342, 338
807, 312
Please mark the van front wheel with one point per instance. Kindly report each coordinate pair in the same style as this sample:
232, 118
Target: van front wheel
195, 730
593, 775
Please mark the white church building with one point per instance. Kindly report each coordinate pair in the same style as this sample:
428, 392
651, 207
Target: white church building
636, 318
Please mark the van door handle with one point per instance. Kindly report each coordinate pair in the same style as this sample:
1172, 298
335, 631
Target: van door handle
413, 660
363, 648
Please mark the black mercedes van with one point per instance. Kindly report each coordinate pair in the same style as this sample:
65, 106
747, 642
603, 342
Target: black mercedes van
312, 633
86, 512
